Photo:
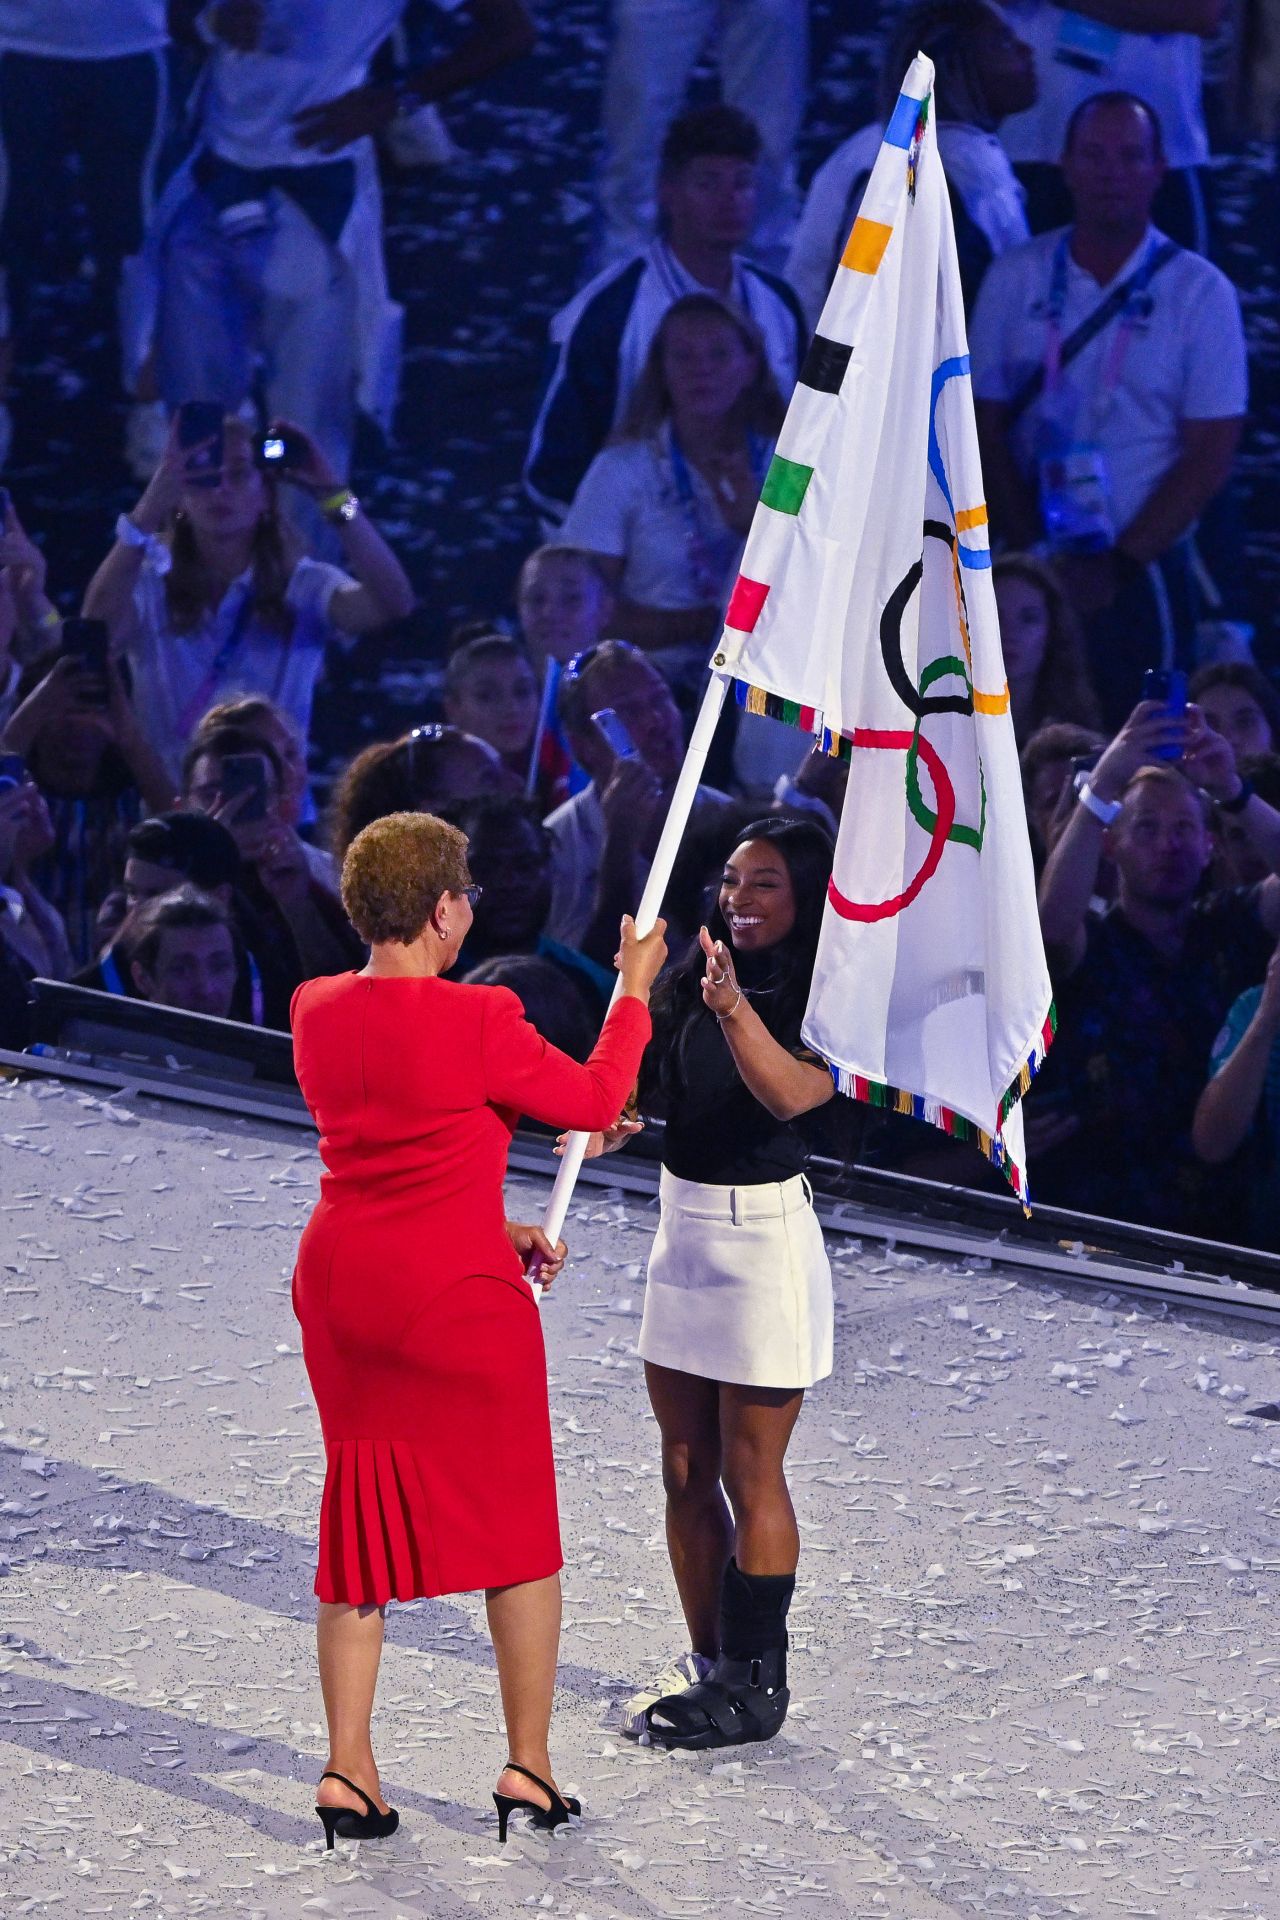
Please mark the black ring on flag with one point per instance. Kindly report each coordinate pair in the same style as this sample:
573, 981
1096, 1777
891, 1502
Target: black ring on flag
891, 641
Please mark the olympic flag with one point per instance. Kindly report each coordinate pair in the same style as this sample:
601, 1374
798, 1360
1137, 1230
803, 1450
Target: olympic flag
865, 612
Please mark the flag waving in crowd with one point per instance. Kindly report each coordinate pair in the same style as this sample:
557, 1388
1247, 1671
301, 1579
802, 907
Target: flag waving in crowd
865, 612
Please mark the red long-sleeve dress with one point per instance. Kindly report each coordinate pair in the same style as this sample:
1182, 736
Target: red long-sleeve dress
421, 1337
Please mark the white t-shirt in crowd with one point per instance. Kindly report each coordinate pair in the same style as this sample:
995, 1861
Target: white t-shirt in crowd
977, 167
83, 29
174, 678
311, 51
1076, 57
629, 507
1185, 359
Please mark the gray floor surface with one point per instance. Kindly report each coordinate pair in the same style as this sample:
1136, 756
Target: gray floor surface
1033, 1663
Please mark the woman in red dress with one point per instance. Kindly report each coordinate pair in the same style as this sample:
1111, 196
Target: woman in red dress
421, 1336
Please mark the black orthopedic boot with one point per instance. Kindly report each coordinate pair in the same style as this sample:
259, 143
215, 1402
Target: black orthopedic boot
745, 1696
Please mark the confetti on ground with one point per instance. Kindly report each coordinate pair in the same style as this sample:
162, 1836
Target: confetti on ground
1033, 1667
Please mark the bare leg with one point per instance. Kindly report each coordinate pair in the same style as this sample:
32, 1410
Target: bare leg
525, 1624
756, 1424
699, 1529
349, 1646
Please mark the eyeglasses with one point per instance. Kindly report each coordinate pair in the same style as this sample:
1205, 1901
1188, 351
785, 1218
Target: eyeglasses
472, 895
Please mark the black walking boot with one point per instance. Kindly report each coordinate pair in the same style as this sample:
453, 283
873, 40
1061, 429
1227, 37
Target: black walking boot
745, 1696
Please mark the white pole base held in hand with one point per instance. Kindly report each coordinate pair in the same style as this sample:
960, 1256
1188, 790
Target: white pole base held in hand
682, 799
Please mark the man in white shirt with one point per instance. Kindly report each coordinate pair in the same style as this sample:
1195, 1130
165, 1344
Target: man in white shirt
761, 52
272, 261
989, 75
86, 79
1111, 381
1148, 47
603, 838
708, 191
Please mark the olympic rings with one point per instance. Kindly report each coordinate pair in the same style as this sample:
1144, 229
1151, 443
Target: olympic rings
945, 801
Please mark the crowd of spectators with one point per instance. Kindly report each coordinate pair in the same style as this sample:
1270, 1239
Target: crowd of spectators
160, 835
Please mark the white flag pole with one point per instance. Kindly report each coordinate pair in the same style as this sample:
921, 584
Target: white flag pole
682, 799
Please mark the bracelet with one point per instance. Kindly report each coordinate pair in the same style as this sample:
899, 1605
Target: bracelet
1104, 810
130, 534
722, 1017
341, 505
1242, 799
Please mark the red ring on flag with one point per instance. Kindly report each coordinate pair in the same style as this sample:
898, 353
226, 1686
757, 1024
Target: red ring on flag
944, 798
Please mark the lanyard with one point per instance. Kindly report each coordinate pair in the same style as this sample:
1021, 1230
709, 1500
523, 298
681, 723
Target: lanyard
1135, 303
222, 659
708, 578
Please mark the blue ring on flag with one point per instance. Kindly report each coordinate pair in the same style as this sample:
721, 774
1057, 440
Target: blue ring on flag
953, 369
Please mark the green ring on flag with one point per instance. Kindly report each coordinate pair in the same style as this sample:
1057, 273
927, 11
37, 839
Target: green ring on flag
921, 812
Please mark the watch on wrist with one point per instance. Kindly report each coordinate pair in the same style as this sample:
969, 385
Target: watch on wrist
340, 506
1104, 810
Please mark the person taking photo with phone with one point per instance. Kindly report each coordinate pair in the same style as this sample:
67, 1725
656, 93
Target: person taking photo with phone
206, 589
603, 838
76, 730
238, 779
1143, 987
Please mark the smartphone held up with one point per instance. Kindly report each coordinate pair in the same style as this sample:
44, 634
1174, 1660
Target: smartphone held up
280, 451
200, 431
244, 778
1167, 686
88, 643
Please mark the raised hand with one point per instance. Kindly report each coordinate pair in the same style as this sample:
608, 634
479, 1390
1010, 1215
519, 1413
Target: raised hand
720, 990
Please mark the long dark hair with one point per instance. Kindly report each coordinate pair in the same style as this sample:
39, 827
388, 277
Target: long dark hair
781, 975
189, 588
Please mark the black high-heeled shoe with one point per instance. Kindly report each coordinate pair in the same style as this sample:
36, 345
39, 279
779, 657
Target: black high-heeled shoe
548, 1818
349, 1824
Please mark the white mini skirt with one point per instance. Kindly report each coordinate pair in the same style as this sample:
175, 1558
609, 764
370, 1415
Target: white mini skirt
739, 1285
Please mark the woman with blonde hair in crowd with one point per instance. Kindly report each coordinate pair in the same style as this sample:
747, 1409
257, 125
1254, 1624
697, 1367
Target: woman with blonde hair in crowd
207, 590
420, 1333
666, 507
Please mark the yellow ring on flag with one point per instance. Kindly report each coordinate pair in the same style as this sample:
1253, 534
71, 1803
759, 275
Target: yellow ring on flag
991, 702
971, 517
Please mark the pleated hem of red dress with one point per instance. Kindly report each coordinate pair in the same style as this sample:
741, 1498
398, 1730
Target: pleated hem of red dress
377, 1532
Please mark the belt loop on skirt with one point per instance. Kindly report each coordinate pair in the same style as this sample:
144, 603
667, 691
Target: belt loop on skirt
736, 1209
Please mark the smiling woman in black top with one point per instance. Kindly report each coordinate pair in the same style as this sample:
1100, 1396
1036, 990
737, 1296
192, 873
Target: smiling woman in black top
738, 1307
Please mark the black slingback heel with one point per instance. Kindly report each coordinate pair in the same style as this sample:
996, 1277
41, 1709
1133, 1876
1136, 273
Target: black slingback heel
548, 1818
350, 1825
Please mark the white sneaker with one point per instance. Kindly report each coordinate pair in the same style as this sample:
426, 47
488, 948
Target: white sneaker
677, 1678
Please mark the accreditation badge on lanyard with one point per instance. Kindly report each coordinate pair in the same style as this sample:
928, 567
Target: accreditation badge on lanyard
1075, 479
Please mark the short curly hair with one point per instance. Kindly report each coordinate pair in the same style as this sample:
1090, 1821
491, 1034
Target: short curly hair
395, 871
